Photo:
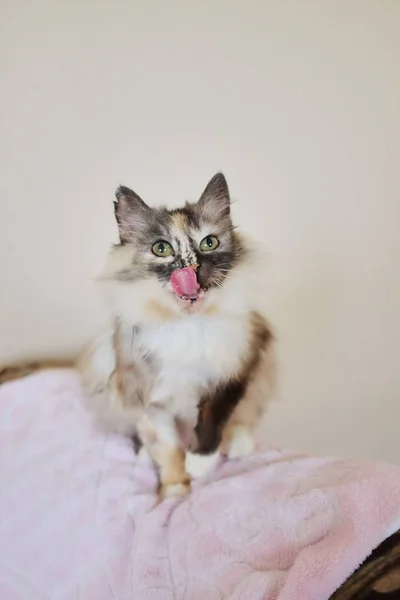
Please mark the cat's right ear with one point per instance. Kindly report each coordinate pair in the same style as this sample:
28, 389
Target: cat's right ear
131, 213
215, 200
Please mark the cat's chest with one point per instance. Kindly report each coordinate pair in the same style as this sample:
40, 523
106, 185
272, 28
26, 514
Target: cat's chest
206, 347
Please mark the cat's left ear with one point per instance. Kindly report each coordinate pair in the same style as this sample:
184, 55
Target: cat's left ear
131, 212
215, 200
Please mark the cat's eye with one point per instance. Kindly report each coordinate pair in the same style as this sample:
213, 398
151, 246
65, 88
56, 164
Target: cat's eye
162, 249
209, 243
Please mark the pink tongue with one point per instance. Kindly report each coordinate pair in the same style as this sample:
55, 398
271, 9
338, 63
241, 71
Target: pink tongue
184, 282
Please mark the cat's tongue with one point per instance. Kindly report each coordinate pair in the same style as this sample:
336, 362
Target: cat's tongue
184, 282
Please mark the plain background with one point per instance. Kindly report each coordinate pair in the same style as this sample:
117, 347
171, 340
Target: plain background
297, 102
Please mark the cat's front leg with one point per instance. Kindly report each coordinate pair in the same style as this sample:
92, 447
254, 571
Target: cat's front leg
215, 410
238, 441
203, 454
158, 431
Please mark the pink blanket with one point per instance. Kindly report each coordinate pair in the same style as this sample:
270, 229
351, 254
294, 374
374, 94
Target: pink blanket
79, 518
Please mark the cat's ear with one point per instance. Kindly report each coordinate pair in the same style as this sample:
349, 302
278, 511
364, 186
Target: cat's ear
215, 200
131, 213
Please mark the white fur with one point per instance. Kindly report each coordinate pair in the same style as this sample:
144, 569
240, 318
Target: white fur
198, 465
193, 353
242, 442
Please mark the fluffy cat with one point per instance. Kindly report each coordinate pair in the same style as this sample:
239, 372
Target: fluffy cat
185, 359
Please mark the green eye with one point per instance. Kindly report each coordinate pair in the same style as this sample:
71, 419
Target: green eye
209, 243
162, 249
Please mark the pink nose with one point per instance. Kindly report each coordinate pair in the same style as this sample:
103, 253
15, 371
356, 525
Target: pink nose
184, 282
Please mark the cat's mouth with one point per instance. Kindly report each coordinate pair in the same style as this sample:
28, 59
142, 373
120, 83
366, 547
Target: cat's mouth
190, 301
185, 286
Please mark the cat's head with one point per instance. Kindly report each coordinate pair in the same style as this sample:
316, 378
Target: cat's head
181, 257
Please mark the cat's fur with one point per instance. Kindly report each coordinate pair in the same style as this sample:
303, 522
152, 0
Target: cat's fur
166, 367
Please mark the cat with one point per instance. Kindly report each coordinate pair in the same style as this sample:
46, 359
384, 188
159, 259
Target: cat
186, 359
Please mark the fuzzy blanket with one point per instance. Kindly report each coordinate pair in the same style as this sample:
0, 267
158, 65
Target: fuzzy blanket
79, 518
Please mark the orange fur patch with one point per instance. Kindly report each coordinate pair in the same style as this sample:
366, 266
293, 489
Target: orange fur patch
180, 221
156, 310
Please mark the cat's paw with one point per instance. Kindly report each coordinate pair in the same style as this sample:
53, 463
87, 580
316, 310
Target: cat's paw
174, 490
241, 444
198, 465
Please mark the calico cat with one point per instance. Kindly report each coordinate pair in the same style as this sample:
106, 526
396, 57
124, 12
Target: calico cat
186, 358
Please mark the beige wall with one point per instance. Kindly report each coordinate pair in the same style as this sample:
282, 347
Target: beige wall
298, 102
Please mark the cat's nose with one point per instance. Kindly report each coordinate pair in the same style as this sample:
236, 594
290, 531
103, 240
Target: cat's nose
194, 267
